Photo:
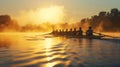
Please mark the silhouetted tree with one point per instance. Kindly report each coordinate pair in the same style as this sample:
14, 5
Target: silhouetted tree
107, 21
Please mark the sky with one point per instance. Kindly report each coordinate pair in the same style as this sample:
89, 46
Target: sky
74, 9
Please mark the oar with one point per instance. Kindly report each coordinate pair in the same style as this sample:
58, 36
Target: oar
104, 35
99, 34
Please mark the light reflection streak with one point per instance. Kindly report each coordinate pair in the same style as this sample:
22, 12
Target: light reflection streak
48, 45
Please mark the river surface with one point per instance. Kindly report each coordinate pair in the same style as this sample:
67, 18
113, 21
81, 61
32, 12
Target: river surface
37, 50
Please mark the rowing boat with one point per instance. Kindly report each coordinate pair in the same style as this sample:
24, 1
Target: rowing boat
95, 36
84, 36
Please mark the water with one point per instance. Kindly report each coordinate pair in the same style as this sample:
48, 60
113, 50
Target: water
35, 50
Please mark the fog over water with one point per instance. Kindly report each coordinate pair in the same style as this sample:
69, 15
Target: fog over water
38, 50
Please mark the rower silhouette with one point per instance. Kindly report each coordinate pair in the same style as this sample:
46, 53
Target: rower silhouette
71, 32
89, 32
80, 32
74, 32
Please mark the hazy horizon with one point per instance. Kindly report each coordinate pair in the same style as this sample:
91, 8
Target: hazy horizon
73, 10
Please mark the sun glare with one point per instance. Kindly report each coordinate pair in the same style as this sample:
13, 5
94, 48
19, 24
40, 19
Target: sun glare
53, 14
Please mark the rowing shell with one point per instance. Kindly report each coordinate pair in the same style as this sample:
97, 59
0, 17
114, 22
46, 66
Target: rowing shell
84, 36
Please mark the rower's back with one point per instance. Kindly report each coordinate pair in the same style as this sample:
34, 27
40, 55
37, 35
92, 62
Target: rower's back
89, 32
80, 32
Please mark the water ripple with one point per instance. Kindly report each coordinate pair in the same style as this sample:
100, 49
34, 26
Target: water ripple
69, 53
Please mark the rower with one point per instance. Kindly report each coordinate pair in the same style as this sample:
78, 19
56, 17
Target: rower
74, 31
80, 32
66, 32
70, 32
89, 32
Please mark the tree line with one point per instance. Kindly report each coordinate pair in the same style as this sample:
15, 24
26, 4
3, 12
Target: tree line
8, 24
104, 21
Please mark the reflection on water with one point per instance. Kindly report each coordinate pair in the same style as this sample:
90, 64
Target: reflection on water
35, 50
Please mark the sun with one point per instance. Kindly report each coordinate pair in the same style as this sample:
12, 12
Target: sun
52, 14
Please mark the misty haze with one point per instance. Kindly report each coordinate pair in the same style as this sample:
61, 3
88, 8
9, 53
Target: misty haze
59, 33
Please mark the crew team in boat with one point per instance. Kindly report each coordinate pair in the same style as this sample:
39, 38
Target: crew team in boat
73, 32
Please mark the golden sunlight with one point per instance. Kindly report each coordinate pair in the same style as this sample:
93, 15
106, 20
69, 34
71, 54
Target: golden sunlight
53, 14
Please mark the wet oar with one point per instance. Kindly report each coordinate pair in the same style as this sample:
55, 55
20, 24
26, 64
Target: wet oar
104, 35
